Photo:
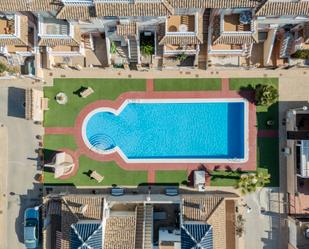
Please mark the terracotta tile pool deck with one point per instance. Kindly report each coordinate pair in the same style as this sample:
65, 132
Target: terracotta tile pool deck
82, 149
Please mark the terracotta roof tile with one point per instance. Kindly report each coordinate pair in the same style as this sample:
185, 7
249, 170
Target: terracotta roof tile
127, 9
272, 8
226, 38
127, 29
199, 208
213, 3
120, 232
79, 12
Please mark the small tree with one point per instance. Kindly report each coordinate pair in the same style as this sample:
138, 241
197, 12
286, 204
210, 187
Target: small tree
265, 95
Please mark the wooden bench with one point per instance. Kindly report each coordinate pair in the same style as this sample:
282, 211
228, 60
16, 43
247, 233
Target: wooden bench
86, 92
95, 175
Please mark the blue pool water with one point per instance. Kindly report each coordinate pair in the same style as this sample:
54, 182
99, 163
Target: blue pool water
208, 130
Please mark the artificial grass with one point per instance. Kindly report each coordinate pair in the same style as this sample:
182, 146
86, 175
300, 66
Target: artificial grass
224, 178
237, 84
268, 158
171, 177
55, 142
65, 115
187, 84
113, 175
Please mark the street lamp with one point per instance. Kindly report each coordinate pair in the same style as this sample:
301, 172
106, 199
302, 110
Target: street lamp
304, 108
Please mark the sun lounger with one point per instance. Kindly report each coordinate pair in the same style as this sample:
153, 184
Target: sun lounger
86, 92
95, 175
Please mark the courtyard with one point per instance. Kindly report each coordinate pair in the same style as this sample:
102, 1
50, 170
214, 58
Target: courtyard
62, 124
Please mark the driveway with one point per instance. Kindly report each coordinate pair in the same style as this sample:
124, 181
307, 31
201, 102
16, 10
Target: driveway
22, 190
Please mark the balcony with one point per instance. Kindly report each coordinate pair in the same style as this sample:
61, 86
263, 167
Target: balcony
53, 28
177, 25
234, 23
7, 25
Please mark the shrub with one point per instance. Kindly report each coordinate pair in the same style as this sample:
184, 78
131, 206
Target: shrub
3, 67
113, 48
265, 94
301, 54
147, 49
181, 57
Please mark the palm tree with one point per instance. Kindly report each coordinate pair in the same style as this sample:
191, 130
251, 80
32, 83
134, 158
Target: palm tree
248, 183
265, 94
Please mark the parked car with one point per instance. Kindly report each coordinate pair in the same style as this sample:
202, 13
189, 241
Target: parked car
171, 191
31, 228
117, 191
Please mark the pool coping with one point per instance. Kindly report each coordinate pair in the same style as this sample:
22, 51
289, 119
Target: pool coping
122, 106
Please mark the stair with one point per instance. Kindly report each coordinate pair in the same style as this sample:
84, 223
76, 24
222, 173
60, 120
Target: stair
286, 46
202, 57
148, 216
133, 52
88, 41
139, 234
240, 27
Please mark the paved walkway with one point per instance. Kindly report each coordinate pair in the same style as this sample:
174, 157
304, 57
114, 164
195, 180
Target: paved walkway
3, 184
152, 167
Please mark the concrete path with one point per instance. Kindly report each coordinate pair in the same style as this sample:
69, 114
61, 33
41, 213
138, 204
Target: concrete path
3, 184
22, 190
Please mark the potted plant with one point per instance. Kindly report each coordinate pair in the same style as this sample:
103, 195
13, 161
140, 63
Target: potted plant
113, 48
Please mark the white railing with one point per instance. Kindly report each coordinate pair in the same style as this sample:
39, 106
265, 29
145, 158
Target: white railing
77, 2
127, 1
181, 33
65, 53
4, 50
223, 52
237, 33
188, 52
17, 26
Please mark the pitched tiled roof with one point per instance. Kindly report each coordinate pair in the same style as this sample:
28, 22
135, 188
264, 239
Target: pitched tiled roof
127, 29
120, 232
128, 9
29, 5
197, 235
199, 208
218, 222
22, 40
68, 41
71, 212
180, 40
226, 38
79, 12
86, 235
279, 8
213, 3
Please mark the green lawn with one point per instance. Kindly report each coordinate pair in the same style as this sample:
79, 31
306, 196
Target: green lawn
268, 158
65, 115
239, 83
171, 176
224, 178
55, 142
112, 173
187, 84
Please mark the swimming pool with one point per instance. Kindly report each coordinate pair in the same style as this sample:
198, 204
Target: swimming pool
171, 130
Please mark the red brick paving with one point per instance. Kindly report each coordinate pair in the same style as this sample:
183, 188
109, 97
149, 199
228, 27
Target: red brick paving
151, 167
151, 176
225, 85
150, 85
